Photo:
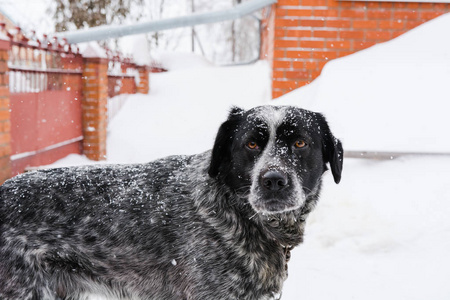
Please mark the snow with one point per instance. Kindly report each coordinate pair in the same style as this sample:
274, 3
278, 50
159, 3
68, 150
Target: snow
177, 61
140, 48
92, 50
29, 15
384, 231
390, 97
184, 106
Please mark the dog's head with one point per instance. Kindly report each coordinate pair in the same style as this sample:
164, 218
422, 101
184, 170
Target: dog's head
276, 155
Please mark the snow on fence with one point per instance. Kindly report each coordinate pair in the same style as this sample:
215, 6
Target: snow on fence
37, 66
57, 99
123, 78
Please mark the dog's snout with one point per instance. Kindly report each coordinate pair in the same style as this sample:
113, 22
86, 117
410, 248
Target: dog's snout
274, 180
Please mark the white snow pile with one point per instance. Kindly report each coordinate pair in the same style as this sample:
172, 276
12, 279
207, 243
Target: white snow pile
384, 231
183, 110
29, 15
391, 97
92, 49
178, 61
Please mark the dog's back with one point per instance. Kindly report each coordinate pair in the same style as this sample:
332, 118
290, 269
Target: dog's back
162, 230
62, 228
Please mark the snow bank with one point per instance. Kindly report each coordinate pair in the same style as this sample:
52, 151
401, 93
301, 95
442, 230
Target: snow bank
391, 97
178, 61
183, 111
382, 233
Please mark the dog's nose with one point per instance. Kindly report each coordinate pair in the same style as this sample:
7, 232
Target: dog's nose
274, 180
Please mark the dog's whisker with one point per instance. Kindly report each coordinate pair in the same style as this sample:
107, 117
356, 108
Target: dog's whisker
253, 216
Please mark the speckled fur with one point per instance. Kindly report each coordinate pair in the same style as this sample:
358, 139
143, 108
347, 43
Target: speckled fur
175, 228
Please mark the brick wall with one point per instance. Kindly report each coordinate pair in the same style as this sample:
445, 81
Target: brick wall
144, 81
118, 85
5, 124
94, 106
307, 34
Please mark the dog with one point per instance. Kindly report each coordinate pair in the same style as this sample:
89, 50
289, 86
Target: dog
216, 225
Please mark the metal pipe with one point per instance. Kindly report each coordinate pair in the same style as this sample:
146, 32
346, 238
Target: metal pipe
386, 155
106, 32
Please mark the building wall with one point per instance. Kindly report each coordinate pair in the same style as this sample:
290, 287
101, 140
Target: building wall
308, 33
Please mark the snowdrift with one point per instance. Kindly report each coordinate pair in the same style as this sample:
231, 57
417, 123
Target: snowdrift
390, 97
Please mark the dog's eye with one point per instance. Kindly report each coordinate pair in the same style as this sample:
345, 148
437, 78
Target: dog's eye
300, 144
252, 145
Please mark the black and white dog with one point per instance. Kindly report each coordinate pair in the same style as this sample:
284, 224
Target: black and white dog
217, 225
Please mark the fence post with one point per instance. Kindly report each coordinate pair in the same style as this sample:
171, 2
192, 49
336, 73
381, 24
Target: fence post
144, 84
5, 116
94, 107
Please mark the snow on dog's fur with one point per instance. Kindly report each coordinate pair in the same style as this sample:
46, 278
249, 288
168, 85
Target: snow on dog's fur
217, 225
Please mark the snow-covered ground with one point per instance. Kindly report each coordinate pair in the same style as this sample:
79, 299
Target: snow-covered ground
394, 96
384, 231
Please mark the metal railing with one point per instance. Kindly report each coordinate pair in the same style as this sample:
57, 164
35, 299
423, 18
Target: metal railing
106, 32
39, 65
389, 155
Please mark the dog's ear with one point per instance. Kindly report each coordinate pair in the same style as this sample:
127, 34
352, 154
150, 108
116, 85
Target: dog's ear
221, 151
336, 158
332, 150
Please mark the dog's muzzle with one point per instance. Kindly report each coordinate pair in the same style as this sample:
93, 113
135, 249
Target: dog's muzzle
275, 191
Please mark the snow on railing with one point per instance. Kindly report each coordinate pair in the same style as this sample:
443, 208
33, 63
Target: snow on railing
37, 65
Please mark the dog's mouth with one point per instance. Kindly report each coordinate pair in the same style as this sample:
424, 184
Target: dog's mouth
273, 202
274, 206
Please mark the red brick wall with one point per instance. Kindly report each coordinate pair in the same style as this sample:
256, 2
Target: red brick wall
5, 124
118, 85
144, 80
129, 86
94, 106
309, 33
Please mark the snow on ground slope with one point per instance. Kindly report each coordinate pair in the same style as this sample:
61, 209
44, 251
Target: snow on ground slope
391, 97
384, 231
183, 110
